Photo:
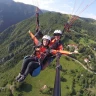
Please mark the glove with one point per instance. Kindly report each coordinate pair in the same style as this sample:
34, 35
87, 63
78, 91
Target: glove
37, 48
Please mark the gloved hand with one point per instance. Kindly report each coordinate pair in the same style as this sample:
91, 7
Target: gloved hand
37, 48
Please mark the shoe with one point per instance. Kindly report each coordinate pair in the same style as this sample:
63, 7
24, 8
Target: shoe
19, 75
21, 78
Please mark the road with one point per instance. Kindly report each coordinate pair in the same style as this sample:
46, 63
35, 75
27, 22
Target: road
83, 65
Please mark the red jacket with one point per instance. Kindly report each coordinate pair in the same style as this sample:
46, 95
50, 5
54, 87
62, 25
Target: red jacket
57, 45
40, 52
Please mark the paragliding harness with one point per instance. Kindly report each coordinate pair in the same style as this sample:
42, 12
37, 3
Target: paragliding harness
56, 44
53, 47
37, 70
39, 61
38, 34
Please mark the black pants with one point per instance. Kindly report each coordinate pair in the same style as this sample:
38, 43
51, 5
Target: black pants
29, 65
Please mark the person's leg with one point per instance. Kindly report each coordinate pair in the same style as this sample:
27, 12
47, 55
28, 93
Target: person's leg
30, 68
48, 61
24, 66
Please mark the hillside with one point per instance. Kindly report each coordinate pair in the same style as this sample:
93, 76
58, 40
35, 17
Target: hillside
6, 1
13, 12
15, 43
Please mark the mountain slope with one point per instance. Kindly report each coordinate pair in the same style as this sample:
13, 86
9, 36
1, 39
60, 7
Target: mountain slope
6, 1
15, 43
12, 13
16, 37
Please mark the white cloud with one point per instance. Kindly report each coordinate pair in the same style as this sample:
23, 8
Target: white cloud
45, 1
91, 15
36, 2
25, 1
66, 6
45, 4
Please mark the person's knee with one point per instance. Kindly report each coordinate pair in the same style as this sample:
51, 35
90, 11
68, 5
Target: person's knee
30, 64
26, 60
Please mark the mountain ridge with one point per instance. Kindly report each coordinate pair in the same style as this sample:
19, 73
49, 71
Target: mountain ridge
6, 1
13, 12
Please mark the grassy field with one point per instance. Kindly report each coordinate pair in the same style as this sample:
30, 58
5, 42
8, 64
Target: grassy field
32, 85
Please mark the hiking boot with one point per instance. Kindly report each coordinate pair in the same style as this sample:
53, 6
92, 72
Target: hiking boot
21, 78
19, 75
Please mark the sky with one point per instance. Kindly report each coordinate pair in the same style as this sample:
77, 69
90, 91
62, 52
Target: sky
82, 8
